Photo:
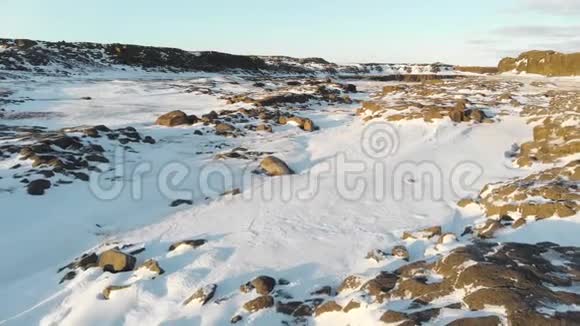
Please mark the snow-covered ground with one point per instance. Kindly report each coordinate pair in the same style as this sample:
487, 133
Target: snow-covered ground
356, 188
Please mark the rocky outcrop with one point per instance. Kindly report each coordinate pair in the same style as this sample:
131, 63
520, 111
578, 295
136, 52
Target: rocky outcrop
548, 63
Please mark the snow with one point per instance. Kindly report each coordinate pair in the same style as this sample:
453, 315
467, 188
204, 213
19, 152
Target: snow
312, 228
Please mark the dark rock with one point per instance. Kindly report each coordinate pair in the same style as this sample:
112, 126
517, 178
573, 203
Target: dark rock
179, 202
38, 187
192, 243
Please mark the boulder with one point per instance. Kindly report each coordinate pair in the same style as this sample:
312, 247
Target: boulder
115, 261
224, 129
400, 252
350, 283
264, 127
37, 187
263, 284
262, 302
153, 266
172, 119
379, 286
274, 166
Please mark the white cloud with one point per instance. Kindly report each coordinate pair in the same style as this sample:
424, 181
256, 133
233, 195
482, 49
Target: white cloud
554, 7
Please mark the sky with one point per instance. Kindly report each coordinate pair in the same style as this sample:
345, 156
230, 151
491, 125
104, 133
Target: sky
476, 32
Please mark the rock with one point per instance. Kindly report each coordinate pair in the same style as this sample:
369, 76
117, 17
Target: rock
192, 243
394, 317
172, 119
209, 117
263, 284
114, 261
329, 306
427, 233
423, 316
304, 310
379, 286
325, 290
202, 295
274, 166
457, 115
86, 261
235, 319
96, 158
91, 132
309, 125
465, 202
38, 187
350, 88
519, 223
112, 288
447, 238
349, 283
283, 281
488, 230
287, 308
376, 255
467, 230
68, 276
179, 202
224, 129
476, 321
294, 308
246, 288
233, 192
400, 252
262, 302
351, 305
153, 266
477, 115
264, 127
149, 140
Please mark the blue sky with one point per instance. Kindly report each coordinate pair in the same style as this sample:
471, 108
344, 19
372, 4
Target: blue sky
452, 31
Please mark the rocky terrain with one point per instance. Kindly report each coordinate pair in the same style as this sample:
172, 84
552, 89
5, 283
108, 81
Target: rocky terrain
149, 186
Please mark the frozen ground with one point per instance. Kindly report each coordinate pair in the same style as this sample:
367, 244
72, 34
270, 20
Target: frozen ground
311, 228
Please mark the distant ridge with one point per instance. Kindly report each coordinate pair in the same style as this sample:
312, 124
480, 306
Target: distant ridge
69, 58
